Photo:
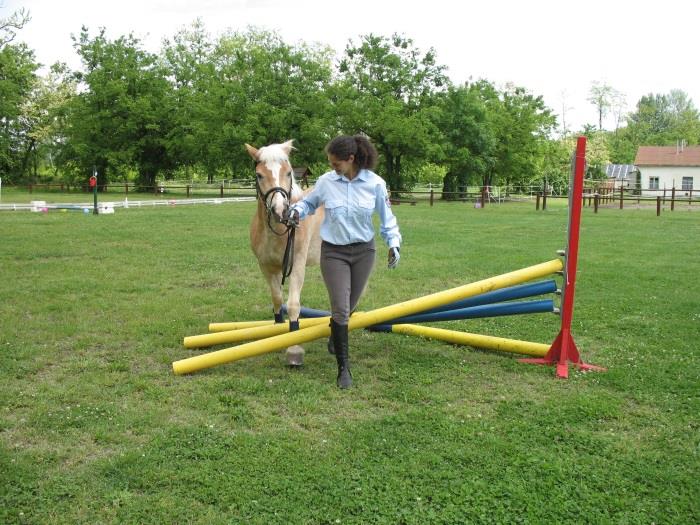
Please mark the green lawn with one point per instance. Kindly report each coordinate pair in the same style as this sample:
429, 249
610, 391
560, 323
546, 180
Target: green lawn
95, 428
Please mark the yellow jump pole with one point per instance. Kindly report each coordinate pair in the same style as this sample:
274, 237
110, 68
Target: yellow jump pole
373, 317
238, 325
476, 340
248, 334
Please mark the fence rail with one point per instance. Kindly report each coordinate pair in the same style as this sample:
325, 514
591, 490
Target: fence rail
596, 194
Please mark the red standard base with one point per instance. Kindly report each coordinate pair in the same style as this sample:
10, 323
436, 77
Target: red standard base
562, 351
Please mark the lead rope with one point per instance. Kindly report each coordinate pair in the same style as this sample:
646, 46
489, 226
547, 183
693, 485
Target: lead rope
288, 259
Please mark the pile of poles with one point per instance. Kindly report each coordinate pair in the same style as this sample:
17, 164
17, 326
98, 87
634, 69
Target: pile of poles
496, 296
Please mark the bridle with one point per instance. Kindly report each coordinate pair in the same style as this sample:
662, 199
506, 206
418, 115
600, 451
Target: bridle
290, 231
266, 199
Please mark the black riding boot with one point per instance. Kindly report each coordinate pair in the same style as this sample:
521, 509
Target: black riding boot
339, 334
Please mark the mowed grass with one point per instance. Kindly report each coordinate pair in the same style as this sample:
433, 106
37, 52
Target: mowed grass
95, 428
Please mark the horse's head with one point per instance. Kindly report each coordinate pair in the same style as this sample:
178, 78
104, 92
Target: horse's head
274, 177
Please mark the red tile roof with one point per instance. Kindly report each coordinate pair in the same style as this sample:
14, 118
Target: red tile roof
667, 156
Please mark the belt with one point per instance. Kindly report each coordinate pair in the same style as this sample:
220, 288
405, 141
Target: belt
345, 245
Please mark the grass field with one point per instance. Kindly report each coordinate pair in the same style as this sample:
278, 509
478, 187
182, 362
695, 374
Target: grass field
95, 428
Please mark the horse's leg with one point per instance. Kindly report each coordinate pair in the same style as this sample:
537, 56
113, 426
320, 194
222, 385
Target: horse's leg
295, 353
274, 281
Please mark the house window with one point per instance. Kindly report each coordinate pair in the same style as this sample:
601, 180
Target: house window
687, 183
653, 183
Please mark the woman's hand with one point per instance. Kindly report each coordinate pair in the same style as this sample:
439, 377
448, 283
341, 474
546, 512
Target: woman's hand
291, 218
394, 257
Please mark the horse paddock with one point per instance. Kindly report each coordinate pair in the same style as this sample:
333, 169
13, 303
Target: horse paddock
96, 428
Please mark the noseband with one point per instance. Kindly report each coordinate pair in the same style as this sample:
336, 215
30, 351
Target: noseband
266, 199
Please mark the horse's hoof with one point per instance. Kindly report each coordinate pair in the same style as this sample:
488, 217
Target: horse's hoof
295, 356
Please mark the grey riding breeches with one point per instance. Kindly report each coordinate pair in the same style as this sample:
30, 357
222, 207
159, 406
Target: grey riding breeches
346, 270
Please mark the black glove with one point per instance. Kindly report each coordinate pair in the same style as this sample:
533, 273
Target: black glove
394, 257
291, 218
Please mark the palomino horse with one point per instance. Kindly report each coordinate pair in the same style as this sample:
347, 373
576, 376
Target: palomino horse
275, 244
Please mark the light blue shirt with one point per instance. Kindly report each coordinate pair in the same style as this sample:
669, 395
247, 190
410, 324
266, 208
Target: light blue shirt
349, 207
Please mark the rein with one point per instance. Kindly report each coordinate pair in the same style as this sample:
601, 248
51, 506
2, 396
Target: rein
290, 231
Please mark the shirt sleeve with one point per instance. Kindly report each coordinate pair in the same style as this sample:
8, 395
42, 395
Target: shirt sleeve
309, 204
388, 226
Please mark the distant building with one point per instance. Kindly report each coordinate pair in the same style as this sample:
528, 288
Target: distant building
624, 175
301, 175
666, 167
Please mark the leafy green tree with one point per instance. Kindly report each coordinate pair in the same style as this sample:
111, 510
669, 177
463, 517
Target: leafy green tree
597, 154
469, 141
17, 78
386, 90
270, 92
43, 117
658, 120
662, 119
556, 164
188, 58
521, 124
123, 116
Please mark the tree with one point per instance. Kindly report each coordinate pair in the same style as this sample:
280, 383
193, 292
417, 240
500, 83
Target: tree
605, 97
521, 125
43, 116
597, 155
268, 91
196, 118
663, 119
17, 78
386, 91
123, 116
468, 138
10, 25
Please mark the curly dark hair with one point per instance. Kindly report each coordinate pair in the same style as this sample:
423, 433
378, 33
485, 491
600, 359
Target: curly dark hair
345, 145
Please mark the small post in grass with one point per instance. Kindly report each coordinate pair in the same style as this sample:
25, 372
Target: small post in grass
93, 185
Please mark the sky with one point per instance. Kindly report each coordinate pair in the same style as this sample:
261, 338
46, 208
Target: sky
556, 49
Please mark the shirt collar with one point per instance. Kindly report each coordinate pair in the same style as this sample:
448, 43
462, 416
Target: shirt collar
361, 175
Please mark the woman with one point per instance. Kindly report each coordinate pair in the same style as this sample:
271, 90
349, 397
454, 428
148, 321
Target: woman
351, 193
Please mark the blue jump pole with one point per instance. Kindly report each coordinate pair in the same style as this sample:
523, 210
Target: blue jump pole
506, 294
473, 312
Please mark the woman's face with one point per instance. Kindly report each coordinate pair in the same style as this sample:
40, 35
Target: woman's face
341, 167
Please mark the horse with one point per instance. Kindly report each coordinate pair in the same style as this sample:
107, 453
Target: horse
282, 252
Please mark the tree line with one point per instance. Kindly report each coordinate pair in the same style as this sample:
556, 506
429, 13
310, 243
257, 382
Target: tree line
186, 112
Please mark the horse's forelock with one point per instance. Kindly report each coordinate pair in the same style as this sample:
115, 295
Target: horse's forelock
273, 153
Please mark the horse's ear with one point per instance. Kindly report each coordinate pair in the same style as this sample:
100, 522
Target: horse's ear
253, 152
288, 146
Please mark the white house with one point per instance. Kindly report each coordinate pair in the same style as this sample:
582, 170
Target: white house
666, 167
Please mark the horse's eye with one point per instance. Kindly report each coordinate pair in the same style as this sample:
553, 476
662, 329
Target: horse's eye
259, 175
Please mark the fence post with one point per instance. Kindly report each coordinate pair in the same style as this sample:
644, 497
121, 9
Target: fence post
596, 198
658, 205
537, 202
126, 188
544, 200
622, 195
221, 190
431, 196
188, 191
673, 197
